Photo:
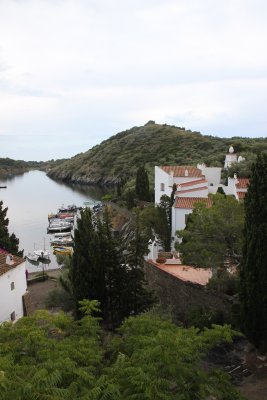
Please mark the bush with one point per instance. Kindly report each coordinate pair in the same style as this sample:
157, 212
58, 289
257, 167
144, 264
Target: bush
161, 260
200, 318
226, 283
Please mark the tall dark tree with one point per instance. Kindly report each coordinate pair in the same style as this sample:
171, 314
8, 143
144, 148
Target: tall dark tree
99, 271
137, 297
253, 274
142, 184
84, 273
8, 242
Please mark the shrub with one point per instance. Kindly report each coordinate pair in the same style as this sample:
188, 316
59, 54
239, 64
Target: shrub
161, 260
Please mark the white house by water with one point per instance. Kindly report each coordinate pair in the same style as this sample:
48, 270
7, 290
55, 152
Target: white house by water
13, 285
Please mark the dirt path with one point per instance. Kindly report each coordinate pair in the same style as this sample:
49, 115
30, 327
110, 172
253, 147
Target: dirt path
39, 290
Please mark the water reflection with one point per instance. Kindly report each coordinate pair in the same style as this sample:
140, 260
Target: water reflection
30, 198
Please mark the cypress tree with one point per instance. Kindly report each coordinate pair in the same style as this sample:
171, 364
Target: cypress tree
137, 296
142, 184
8, 242
84, 270
253, 273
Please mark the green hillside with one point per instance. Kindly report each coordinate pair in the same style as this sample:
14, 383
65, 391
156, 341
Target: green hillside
118, 157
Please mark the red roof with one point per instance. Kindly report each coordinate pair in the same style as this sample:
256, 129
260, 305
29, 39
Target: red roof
192, 183
181, 171
185, 273
241, 195
189, 202
242, 183
4, 267
192, 190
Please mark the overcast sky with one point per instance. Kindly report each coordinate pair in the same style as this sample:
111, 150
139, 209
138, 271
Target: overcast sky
75, 72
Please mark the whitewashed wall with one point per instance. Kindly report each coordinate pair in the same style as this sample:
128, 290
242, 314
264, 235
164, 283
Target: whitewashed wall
162, 177
11, 300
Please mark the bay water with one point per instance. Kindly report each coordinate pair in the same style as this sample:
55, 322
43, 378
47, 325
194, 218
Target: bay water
30, 198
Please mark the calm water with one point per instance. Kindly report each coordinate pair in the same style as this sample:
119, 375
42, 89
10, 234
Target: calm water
30, 198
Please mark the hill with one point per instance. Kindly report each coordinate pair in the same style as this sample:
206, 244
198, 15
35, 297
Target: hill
10, 167
117, 158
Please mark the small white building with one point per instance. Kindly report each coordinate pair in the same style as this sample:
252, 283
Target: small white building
13, 286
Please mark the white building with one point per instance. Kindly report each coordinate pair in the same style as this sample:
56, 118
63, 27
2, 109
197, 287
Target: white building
236, 187
194, 184
13, 285
231, 158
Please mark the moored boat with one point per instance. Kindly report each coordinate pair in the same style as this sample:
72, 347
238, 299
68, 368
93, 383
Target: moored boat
62, 250
32, 257
42, 254
62, 241
62, 234
59, 226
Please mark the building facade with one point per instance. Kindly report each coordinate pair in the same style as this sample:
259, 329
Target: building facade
13, 286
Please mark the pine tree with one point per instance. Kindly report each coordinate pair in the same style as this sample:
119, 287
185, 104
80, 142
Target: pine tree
8, 242
253, 274
142, 184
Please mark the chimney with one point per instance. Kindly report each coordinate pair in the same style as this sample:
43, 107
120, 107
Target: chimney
9, 259
186, 172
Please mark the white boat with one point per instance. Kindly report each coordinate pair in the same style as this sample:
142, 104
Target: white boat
59, 226
66, 241
42, 254
32, 257
62, 234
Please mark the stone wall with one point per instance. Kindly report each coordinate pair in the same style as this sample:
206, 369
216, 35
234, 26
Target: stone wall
180, 298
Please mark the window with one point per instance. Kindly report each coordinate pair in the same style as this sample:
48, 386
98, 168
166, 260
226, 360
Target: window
13, 316
162, 187
12, 285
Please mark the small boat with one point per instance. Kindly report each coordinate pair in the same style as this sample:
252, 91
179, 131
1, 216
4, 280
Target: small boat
62, 234
59, 226
61, 215
70, 208
42, 254
32, 257
62, 241
62, 250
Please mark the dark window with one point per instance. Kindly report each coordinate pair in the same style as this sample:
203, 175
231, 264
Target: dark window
13, 316
12, 285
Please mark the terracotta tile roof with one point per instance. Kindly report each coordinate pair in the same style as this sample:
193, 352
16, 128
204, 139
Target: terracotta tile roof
192, 190
186, 273
189, 202
241, 195
4, 267
192, 183
180, 171
3, 251
242, 183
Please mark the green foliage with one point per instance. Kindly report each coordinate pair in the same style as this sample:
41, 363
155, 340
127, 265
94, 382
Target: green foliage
101, 270
157, 221
119, 157
213, 235
225, 283
54, 357
157, 360
8, 241
253, 273
201, 319
142, 184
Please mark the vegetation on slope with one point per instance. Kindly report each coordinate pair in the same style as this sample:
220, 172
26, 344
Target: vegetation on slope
54, 357
10, 167
117, 159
